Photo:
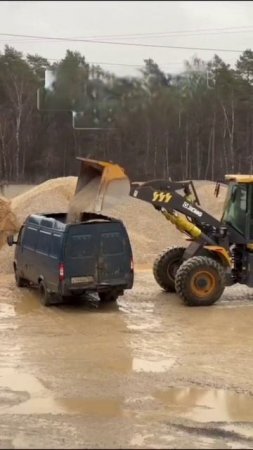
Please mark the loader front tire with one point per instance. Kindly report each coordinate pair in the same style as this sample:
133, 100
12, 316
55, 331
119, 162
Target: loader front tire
200, 281
165, 267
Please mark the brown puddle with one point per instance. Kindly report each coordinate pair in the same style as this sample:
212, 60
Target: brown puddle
208, 405
39, 399
93, 407
87, 406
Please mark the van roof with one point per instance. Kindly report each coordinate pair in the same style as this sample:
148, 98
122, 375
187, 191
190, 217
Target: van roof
58, 220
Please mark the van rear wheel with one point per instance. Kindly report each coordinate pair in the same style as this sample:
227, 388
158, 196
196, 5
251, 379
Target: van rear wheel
108, 297
45, 296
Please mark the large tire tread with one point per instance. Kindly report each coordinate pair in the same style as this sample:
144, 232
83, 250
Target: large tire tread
160, 267
184, 273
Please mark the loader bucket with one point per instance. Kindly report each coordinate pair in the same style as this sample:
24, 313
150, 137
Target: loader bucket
100, 185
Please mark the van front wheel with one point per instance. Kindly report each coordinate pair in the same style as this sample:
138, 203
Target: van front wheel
20, 282
45, 296
108, 297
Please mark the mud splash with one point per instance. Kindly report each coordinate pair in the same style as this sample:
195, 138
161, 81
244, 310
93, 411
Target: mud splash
204, 406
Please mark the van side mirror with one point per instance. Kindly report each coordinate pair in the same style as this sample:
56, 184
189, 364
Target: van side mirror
10, 240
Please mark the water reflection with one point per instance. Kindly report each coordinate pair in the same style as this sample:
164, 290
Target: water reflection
152, 342
207, 405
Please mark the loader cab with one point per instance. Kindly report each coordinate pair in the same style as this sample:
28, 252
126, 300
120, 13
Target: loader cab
238, 207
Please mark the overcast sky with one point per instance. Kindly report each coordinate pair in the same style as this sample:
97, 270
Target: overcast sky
177, 21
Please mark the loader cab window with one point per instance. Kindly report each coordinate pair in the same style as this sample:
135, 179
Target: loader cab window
236, 207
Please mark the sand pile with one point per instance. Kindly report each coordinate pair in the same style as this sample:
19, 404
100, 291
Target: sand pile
148, 229
211, 204
8, 225
48, 197
8, 220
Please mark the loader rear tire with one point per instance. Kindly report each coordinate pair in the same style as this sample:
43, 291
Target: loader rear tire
200, 281
165, 267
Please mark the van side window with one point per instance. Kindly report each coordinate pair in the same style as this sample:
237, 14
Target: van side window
43, 242
30, 237
55, 245
112, 243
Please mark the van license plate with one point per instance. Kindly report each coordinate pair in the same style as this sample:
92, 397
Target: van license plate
77, 280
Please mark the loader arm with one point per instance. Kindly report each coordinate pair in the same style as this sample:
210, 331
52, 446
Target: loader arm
197, 223
186, 186
171, 200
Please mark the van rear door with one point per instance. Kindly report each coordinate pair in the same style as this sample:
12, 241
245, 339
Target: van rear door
81, 255
98, 253
115, 256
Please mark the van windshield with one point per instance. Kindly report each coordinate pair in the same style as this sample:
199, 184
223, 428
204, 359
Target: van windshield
79, 245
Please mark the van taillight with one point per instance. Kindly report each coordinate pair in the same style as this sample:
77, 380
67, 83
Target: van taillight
61, 272
132, 265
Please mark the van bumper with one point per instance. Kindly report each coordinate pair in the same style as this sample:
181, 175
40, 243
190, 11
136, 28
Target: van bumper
67, 288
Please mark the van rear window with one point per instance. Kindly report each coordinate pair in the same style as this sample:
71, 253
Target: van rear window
112, 243
80, 245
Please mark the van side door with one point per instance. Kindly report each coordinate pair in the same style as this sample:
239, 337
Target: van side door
43, 262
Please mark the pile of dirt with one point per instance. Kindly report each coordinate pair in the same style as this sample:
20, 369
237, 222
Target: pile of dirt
8, 225
8, 220
48, 197
149, 231
208, 201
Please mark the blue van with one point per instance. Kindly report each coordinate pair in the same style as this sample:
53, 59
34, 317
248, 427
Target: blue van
67, 259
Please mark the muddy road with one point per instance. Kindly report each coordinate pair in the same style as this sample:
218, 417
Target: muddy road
147, 372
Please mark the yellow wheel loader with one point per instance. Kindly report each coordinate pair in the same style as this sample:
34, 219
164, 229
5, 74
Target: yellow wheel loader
219, 254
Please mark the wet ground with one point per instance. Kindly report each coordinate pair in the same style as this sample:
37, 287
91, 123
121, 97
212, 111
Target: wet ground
147, 372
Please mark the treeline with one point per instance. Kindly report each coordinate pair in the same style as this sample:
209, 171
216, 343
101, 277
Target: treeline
195, 125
